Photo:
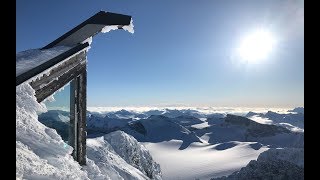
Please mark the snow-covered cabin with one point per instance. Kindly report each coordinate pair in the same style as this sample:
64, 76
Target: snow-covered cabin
62, 61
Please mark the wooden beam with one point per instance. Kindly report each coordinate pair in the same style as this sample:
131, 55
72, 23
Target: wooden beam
73, 118
78, 108
82, 121
57, 71
56, 84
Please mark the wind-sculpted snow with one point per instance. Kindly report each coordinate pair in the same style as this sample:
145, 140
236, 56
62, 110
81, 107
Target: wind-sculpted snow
123, 156
133, 153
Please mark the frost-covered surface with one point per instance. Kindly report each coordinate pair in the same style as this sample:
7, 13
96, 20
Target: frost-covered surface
42, 154
107, 29
128, 28
29, 59
287, 163
88, 40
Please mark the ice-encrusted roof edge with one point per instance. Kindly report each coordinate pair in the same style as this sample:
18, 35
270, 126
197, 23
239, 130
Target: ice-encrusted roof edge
45, 68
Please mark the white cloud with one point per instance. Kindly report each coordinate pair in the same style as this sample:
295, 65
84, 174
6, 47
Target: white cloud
205, 110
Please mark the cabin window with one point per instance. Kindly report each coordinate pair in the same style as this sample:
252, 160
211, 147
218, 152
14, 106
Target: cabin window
58, 114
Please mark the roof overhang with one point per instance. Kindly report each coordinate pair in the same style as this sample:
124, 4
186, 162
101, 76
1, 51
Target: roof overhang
89, 28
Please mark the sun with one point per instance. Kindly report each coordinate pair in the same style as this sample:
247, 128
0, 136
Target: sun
256, 46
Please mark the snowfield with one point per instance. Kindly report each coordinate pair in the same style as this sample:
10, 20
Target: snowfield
201, 161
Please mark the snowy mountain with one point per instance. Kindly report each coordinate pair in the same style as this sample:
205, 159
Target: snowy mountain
219, 128
238, 128
42, 154
293, 121
158, 128
124, 114
287, 163
186, 120
58, 120
173, 113
135, 154
297, 110
98, 125
126, 157
186, 147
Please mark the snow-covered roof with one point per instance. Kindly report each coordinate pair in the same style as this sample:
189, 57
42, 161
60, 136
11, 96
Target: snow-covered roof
36, 62
29, 59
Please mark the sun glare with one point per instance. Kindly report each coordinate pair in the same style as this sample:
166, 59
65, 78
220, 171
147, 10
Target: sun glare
256, 46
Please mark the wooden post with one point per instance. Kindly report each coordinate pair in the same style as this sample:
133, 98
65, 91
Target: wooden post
78, 109
82, 130
73, 118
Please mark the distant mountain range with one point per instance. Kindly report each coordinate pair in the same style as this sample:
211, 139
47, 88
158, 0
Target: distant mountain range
182, 125
219, 130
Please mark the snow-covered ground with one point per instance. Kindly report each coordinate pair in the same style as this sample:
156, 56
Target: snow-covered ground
200, 160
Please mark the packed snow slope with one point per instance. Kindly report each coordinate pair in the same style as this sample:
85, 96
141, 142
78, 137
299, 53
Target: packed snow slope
202, 160
42, 154
287, 163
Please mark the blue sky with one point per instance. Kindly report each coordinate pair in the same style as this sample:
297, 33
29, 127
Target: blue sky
182, 52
